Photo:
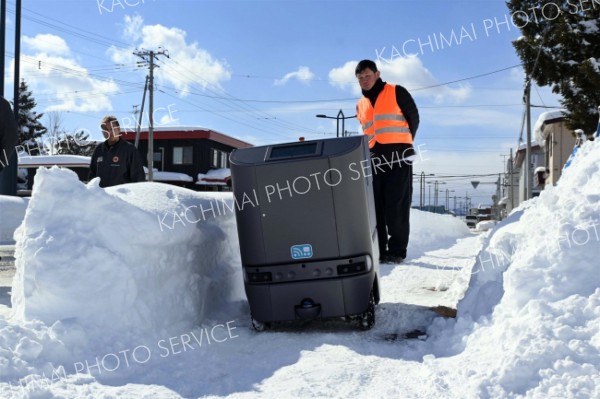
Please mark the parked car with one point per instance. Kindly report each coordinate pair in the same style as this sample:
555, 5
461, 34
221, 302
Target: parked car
471, 221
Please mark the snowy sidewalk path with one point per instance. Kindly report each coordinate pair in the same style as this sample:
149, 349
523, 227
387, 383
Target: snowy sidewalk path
320, 359
435, 278
332, 359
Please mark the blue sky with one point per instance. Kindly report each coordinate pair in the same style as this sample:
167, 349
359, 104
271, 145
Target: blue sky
261, 70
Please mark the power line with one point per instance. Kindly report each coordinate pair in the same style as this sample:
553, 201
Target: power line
74, 30
356, 98
231, 101
468, 78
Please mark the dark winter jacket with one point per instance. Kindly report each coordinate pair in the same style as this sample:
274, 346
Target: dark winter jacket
117, 164
9, 133
411, 113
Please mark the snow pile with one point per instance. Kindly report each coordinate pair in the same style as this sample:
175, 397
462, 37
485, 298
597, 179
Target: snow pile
12, 211
428, 230
214, 177
125, 264
168, 176
486, 225
534, 297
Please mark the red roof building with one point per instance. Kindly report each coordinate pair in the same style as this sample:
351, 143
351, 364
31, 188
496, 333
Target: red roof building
189, 150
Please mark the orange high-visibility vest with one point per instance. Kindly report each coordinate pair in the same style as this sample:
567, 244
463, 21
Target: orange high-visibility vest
385, 124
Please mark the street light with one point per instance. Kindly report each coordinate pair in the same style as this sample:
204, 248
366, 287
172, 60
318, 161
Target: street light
448, 199
422, 189
339, 116
435, 193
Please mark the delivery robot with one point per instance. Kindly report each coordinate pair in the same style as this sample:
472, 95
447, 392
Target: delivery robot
306, 226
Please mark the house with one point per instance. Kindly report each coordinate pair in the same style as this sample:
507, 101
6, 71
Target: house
549, 152
190, 150
510, 184
518, 170
557, 142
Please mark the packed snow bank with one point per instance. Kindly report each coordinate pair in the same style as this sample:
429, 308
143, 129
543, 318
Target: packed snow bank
532, 308
429, 230
12, 211
550, 244
486, 225
126, 264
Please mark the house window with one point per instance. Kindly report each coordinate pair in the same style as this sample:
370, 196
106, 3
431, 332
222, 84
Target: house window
215, 158
219, 159
183, 155
224, 159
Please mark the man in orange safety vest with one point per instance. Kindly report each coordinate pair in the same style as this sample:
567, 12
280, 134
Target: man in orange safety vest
389, 116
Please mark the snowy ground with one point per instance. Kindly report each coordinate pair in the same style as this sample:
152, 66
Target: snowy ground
149, 303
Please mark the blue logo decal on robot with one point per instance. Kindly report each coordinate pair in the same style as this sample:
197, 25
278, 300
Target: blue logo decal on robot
302, 251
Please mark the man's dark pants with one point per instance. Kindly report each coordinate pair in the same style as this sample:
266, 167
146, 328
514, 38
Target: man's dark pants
392, 187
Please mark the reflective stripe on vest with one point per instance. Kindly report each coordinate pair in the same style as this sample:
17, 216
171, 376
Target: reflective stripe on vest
385, 124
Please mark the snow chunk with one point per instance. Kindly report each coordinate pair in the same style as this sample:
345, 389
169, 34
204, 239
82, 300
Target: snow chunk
123, 264
428, 230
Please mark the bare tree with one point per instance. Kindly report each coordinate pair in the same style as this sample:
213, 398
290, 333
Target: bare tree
55, 131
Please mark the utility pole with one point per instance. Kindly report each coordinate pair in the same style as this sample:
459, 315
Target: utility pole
528, 77
422, 191
148, 57
138, 128
467, 204
511, 181
8, 175
429, 201
528, 149
498, 196
504, 161
2, 43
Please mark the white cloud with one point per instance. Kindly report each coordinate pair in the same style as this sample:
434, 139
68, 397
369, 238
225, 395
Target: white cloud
188, 63
303, 74
406, 71
60, 83
344, 78
47, 43
133, 28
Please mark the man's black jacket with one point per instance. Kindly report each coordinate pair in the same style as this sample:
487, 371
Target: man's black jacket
409, 110
117, 164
